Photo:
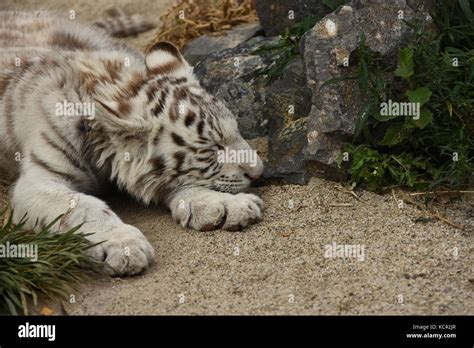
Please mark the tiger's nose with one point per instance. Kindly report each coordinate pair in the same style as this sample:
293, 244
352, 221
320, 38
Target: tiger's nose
253, 172
253, 178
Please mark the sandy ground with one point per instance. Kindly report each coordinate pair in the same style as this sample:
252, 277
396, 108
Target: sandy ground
279, 266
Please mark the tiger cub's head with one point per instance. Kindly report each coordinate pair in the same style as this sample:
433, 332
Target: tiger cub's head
165, 132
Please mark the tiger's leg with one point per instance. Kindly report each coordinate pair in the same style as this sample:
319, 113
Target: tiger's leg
204, 209
44, 195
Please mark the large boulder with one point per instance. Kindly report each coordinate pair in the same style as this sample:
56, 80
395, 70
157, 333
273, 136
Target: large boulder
279, 109
327, 49
426, 6
277, 15
233, 76
306, 124
207, 44
287, 108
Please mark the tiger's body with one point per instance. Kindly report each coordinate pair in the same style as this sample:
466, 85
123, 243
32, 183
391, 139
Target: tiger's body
139, 121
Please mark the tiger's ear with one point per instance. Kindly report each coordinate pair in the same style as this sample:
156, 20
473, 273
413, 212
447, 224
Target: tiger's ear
163, 58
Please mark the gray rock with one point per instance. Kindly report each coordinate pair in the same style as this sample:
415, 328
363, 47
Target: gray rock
279, 109
206, 44
421, 5
362, 3
336, 107
306, 125
232, 76
274, 14
427, 6
288, 105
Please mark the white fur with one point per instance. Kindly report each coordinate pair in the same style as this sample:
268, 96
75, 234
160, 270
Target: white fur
38, 192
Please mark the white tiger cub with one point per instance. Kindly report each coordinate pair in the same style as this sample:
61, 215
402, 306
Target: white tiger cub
79, 109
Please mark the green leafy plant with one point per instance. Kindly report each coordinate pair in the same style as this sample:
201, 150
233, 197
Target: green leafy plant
376, 170
62, 264
436, 71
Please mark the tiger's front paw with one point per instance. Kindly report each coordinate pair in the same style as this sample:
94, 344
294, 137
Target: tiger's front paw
125, 250
213, 210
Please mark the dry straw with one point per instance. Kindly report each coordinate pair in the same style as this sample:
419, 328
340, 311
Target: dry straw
188, 19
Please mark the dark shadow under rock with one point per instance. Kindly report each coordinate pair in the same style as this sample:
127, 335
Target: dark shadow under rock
277, 15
